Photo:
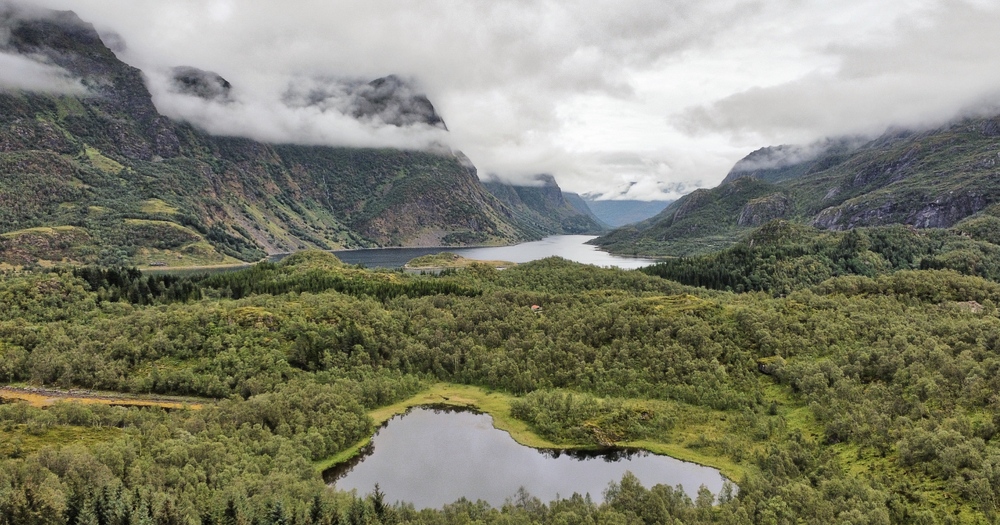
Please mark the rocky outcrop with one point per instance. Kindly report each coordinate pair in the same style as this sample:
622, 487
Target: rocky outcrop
394, 102
944, 211
199, 83
388, 100
543, 206
764, 209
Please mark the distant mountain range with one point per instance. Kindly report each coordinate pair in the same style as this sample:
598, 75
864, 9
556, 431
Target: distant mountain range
617, 213
97, 174
926, 179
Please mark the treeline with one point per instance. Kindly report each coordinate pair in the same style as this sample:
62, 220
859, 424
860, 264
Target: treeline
233, 462
782, 256
269, 278
129, 284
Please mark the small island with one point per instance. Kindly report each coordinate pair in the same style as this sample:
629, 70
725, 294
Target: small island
448, 261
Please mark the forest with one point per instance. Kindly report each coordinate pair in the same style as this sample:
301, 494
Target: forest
858, 388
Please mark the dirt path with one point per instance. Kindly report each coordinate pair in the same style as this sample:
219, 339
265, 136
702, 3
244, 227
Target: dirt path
43, 397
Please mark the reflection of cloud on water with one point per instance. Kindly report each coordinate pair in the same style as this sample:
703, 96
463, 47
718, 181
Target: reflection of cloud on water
434, 457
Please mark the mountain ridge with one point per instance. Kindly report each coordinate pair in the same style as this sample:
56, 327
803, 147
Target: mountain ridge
109, 179
931, 178
545, 207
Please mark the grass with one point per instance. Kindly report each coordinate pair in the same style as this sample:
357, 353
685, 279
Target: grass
199, 256
42, 399
99, 161
450, 260
157, 207
42, 230
21, 440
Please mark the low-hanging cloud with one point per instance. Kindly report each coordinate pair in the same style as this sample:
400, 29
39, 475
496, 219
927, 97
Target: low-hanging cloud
789, 154
30, 71
563, 87
20, 72
497, 72
276, 118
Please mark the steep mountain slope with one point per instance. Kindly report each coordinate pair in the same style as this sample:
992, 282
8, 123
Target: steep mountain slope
927, 179
617, 213
544, 208
96, 173
579, 204
702, 221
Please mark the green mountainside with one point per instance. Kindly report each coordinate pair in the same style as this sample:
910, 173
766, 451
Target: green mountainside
101, 176
545, 208
926, 179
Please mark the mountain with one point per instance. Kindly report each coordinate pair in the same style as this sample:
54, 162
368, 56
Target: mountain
92, 172
926, 179
580, 204
545, 208
617, 213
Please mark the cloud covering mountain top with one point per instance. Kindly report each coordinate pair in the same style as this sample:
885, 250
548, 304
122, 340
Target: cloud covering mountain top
643, 97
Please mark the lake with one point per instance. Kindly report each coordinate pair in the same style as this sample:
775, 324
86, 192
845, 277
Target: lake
434, 457
570, 247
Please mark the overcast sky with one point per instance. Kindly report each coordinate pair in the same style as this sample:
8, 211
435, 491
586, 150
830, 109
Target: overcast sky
654, 96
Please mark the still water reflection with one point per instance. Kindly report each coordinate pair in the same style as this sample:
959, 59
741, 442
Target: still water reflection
432, 457
570, 247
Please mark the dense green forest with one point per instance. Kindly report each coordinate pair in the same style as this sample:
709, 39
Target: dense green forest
783, 256
865, 393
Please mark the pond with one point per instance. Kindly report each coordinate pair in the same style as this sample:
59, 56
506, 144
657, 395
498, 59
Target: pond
570, 247
432, 457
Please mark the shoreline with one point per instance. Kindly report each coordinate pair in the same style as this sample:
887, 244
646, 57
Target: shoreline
445, 248
497, 406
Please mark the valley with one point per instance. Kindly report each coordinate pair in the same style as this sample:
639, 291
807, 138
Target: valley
219, 289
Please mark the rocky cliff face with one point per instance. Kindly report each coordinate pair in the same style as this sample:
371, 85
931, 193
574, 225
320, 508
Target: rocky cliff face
389, 100
543, 207
199, 83
98, 167
759, 211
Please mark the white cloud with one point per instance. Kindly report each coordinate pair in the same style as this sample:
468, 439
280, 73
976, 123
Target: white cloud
938, 66
20, 72
684, 89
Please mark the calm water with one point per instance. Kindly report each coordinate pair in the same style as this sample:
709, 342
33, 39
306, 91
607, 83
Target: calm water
431, 458
570, 247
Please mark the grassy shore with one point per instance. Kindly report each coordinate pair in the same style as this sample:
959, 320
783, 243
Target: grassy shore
497, 405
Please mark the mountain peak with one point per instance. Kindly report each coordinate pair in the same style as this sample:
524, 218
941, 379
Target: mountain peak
395, 102
199, 83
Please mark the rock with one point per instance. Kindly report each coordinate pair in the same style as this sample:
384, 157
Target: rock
199, 83
764, 209
394, 102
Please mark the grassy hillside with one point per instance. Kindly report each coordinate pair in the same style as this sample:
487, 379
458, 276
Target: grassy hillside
703, 221
927, 179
